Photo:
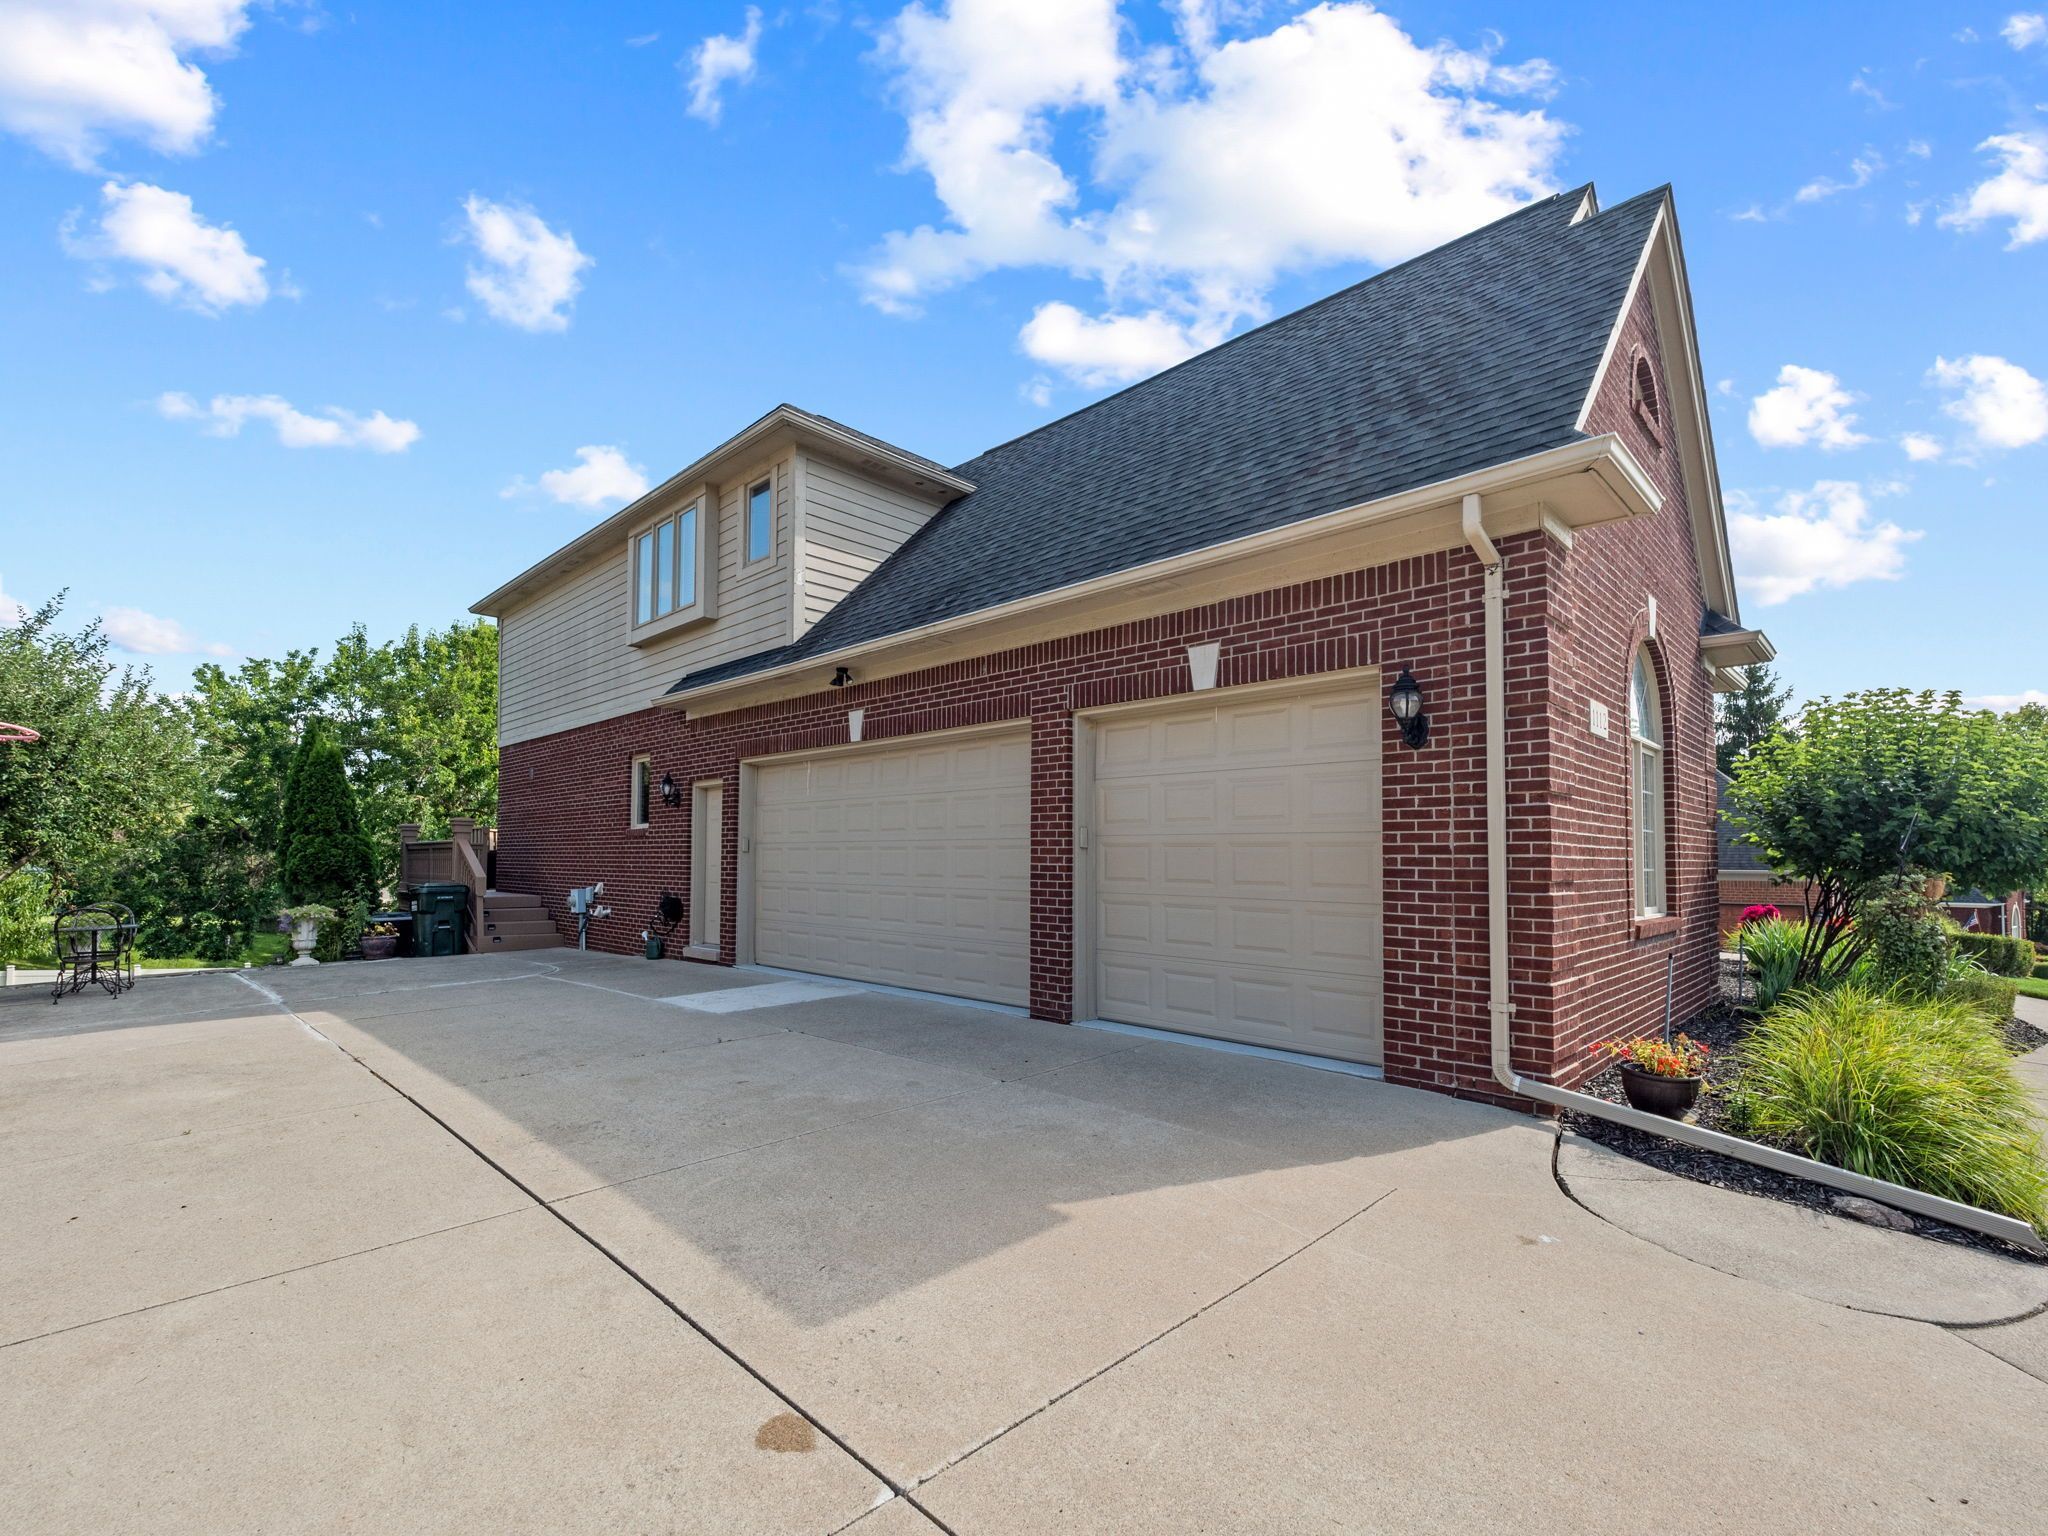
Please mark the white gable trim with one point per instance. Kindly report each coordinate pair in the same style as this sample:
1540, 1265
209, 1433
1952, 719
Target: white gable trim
1662, 267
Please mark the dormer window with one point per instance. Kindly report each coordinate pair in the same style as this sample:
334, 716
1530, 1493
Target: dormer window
760, 521
666, 569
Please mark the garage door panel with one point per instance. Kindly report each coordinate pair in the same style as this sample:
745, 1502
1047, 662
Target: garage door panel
907, 865
1237, 871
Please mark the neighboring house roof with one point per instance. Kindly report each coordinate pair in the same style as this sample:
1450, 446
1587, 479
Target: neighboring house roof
1737, 857
1477, 353
1973, 898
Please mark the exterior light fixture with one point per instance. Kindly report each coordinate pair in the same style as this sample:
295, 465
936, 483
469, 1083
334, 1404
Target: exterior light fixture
1405, 705
842, 676
670, 795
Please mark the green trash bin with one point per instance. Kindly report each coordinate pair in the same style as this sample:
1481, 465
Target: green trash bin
438, 910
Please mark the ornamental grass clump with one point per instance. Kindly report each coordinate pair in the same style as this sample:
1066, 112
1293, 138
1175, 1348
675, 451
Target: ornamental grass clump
1919, 1093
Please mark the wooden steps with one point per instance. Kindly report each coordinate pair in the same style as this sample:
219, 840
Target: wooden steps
512, 920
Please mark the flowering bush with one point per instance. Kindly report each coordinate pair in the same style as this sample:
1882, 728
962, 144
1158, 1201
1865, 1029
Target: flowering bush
1762, 912
1682, 1056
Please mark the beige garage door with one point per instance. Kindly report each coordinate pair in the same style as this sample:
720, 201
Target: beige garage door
1237, 870
909, 865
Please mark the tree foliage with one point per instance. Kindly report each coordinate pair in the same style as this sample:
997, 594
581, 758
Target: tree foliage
325, 857
1888, 783
114, 771
1749, 715
415, 718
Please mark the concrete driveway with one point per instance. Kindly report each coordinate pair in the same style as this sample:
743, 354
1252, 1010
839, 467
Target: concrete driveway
561, 1242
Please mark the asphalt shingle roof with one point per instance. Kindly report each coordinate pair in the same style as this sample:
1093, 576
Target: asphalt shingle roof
1473, 354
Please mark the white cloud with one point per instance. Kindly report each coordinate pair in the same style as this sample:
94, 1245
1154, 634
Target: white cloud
1109, 349
225, 415
1216, 164
2025, 29
1921, 447
2006, 703
1808, 406
2019, 191
183, 259
12, 609
147, 635
529, 274
719, 60
74, 73
603, 476
2002, 404
1862, 171
1819, 538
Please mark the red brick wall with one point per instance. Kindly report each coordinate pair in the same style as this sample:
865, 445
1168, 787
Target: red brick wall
1579, 970
1607, 976
1739, 893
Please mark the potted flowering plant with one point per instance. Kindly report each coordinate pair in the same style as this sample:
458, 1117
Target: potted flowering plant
1660, 1076
380, 941
306, 923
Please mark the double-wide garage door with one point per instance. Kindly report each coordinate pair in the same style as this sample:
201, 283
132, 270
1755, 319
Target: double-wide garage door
1237, 870
909, 866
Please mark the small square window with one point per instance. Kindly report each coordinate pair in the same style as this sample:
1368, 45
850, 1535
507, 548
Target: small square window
642, 767
760, 521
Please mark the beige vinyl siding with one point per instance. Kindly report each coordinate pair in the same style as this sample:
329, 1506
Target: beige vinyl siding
851, 525
564, 659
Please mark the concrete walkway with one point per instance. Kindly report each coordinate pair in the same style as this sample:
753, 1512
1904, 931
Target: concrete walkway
517, 1243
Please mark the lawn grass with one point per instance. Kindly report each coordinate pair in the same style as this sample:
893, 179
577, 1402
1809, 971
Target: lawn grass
2030, 986
262, 949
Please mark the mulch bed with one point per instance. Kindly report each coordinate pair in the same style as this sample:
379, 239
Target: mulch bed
1721, 1029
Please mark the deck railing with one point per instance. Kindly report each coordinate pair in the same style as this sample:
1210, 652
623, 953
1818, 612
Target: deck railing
463, 857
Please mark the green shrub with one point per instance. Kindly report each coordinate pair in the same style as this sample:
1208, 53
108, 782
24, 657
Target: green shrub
1917, 1093
1999, 955
1991, 996
325, 858
1908, 939
26, 912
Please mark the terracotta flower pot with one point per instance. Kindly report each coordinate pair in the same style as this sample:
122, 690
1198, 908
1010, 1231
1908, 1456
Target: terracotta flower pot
1670, 1097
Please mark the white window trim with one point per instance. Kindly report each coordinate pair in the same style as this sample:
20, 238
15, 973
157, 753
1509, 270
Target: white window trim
704, 605
1657, 872
748, 559
641, 790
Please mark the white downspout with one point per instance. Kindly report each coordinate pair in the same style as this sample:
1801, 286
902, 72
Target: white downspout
1500, 1003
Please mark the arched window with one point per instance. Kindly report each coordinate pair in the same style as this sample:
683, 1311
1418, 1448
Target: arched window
1643, 390
1646, 782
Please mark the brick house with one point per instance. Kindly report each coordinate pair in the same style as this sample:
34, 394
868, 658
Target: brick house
1098, 725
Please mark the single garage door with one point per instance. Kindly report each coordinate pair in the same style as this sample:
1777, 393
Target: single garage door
906, 865
1237, 870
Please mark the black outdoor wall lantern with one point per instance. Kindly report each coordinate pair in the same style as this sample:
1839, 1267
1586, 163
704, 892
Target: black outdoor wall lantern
842, 677
1405, 705
670, 794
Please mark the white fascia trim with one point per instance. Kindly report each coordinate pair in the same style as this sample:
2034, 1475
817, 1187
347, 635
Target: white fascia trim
743, 442
1717, 569
1628, 304
1605, 456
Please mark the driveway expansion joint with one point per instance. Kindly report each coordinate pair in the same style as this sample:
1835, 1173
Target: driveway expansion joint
1138, 1349
899, 1490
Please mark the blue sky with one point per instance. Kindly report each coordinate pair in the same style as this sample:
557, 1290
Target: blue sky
314, 315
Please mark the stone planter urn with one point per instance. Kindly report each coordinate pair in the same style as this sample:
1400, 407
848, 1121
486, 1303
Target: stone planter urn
305, 934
